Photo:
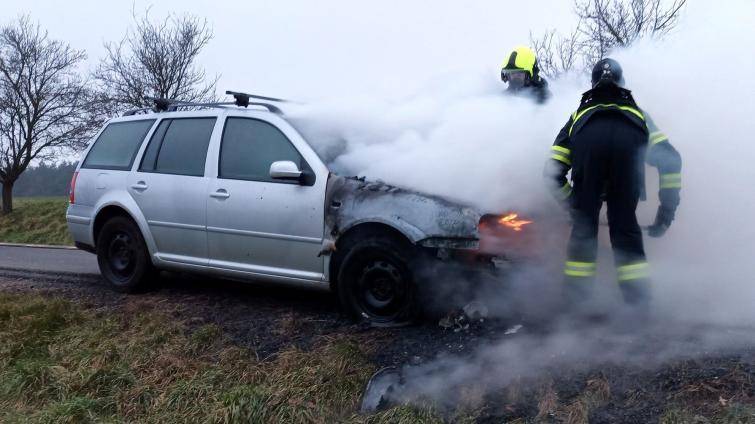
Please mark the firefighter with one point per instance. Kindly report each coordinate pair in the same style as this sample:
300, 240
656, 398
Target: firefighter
604, 143
521, 72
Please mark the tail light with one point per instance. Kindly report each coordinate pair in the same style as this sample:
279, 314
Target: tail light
72, 188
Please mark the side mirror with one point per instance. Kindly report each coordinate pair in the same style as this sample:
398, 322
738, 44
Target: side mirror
285, 170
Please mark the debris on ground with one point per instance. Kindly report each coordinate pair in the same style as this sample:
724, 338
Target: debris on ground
513, 330
476, 311
461, 319
379, 389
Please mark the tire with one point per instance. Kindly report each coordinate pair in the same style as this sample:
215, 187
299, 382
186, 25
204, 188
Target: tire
376, 283
122, 255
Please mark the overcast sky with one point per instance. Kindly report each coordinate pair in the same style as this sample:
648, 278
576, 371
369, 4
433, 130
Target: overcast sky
290, 48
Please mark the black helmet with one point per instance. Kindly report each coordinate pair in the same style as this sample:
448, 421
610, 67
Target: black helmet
607, 71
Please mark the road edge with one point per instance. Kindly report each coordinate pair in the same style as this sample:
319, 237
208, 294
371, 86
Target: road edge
39, 246
10, 272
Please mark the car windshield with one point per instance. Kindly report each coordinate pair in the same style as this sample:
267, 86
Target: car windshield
328, 144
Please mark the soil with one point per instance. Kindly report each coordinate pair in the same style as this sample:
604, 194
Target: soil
269, 319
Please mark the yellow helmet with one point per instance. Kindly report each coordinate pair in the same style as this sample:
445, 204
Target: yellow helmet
522, 58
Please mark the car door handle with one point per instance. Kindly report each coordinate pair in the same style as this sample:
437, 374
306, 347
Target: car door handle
141, 185
220, 194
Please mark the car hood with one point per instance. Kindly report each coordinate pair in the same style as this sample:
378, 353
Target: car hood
423, 218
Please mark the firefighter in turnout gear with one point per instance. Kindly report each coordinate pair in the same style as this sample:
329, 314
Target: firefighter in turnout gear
605, 144
522, 73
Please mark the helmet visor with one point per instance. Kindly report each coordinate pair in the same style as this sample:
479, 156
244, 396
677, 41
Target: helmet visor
515, 78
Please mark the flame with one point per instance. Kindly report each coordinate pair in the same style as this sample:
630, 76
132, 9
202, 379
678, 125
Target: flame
512, 222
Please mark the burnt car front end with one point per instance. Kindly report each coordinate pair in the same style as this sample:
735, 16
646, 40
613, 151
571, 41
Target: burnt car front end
391, 252
451, 232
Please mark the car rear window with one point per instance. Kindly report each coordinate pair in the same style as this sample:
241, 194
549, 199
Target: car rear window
117, 145
179, 146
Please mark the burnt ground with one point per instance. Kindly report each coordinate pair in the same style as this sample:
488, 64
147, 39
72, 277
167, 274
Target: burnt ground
705, 383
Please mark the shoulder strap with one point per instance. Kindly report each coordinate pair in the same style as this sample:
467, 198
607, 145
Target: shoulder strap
610, 94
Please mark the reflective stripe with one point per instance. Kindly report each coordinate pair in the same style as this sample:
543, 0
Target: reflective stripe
561, 158
574, 264
657, 137
671, 185
635, 276
565, 190
633, 271
561, 154
576, 116
579, 269
573, 273
671, 180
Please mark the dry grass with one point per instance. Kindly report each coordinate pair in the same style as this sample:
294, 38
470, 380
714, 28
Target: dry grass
732, 414
60, 362
597, 392
714, 400
40, 220
548, 404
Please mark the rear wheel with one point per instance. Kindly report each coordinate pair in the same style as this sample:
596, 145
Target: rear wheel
376, 282
122, 255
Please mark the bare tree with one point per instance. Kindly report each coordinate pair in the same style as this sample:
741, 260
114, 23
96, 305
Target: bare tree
155, 59
608, 24
44, 104
603, 26
556, 53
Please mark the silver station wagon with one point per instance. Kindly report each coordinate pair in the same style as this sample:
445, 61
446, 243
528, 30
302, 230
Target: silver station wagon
234, 190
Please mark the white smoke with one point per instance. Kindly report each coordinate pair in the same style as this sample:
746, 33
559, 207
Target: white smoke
705, 260
461, 137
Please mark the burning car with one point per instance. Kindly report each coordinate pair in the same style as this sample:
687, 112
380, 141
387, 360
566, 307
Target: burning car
240, 193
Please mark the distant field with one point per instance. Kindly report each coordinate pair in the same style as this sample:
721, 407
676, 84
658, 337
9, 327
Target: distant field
39, 220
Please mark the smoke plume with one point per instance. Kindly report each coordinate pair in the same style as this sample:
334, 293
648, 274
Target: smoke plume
461, 137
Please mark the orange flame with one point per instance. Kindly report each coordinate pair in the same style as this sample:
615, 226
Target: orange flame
512, 222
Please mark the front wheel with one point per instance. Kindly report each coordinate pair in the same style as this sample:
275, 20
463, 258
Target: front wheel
122, 255
376, 282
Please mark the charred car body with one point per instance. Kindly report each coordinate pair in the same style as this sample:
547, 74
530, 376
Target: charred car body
239, 193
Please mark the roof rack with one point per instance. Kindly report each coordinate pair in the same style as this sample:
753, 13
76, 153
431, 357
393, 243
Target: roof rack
244, 97
241, 100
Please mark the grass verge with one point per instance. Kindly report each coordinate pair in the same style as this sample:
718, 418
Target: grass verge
61, 362
39, 220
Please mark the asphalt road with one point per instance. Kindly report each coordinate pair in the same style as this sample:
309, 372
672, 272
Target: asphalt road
48, 260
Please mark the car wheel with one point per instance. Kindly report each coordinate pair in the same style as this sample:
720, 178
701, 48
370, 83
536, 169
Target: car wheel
376, 282
122, 255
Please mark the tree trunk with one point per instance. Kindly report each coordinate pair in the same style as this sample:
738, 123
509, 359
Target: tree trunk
7, 198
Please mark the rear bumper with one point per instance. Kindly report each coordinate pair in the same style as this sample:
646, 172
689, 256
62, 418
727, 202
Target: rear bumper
79, 219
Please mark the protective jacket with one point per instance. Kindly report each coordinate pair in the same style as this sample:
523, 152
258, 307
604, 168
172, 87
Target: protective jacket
659, 151
605, 143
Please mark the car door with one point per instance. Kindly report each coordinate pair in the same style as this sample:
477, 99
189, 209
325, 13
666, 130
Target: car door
170, 188
258, 224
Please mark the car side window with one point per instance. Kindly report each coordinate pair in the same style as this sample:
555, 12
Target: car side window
179, 146
248, 148
117, 145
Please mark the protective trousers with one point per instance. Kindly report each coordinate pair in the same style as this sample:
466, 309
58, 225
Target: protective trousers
606, 155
